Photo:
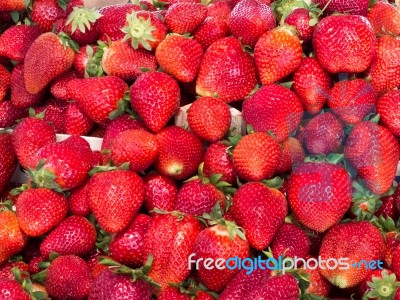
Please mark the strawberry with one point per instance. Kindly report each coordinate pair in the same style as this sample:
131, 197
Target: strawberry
385, 18
349, 47
120, 59
76, 122
324, 134
385, 68
127, 246
180, 57
5, 82
20, 97
184, 17
366, 243
86, 63
25, 138
374, 153
97, 97
75, 235
49, 56
76, 278
11, 289
12, 238
180, 293
9, 114
358, 7
396, 261
59, 85
273, 108
220, 9
290, 241
380, 283
45, 13
78, 201
218, 161
304, 21
388, 207
292, 154
10, 5
115, 211
209, 118
215, 76
278, 287
319, 194
53, 111
352, 100
386, 107
277, 54
249, 20
177, 233
211, 30
318, 286
250, 160
262, 224
155, 97
40, 210
138, 147
65, 164
6, 269
8, 159
160, 192
311, 83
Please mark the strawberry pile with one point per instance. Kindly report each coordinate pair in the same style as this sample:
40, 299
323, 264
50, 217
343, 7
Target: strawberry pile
313, 175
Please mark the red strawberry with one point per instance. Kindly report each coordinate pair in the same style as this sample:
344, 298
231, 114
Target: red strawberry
324, 134
292, 154
385, 18
12, 238
76, 278
349, 47
374, 152
81, 25
115, 211
40, 210
249, 20
11, 289
291, 241
352, 100
10, 5
218, 161
160, 192
262, 224
9, 114
380, 283
209, 118
220, 9
386, 107
180, 57
5, 82
8, 160
311, 83
319, 194
59, 85
86, 63
46, 12
78, 201
127, 247
75, 235
76, 122
180, 293
210, 31
177, 233
97, 97
385, 68
29, 136
318, 286
215, 76
366, 243
277, 54
6, 270
278, 287
120, 59
358, 7
138, 147
155, 97
304, 21
396, 261
48, 57
273, 108
53, 114
184, 17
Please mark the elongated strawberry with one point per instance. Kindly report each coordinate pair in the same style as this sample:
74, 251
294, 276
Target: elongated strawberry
377, 169
292, 154
273, 108
8, 159
215, 77
12, 238
48, 57
46, 12
358, 7
155, 97
115, 211
180, 57
78, 202
81, 25
386, 107
76, 122
349, 47
319, 194
184, 17
218, 161
366, 244
75, 235
9, 114
211, 30
160, 192
40, 210
385, 18
100, 97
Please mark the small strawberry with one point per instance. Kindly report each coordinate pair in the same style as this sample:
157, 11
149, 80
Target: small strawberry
45, 13
59, 85
155, 97
291, 241
273, 108
304, 20
184, 17
218, 161
386, 107
12, 238
5, 82
292, 154
9, 114
10, 5
180, 57
358, 7
215, 76
211, 30
160, 192
78, 201
8, 159
76, 122
75, 235
385, 18
209, 118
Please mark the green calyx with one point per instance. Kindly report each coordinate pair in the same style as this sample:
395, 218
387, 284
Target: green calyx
382, 288
82, 19
179, 215
66, 41
333, 158
139, 31
26, 284
365, 203
107, 168
274, 183
191, 288
43, 177
93, 65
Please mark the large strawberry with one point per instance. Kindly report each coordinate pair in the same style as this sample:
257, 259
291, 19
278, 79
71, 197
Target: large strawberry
344, 43
160, 192
12, 238
155, 97
114, 211
48, 57
319, 194
184, 17
8, 159
262, 224
215, 76
385, 18
273, 108
386, 107
366, 243
374, 152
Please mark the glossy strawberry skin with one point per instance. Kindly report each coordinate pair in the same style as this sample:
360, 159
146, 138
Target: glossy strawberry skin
319, 194
386, 107
6, 269
300, 19
11, 289
160, 192
5, 82
8, 160
11, 5
59, 85
358, 7
396, 261
278, 287
45, 13
292, 154
218, 161
384, 18
290, 241
184, 17
350, 47
210, 31
76, 122
9, 114
11, 235
78, 201
319, 286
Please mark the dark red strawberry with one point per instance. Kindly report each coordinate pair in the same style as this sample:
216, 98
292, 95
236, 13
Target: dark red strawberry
8, 159
291, 241
76, 122
292, 154
181, 293
386, 107
9, 114
388, 207
78, 201
160, 192
396, 261
277, 287
218, 161
184, 17
210, 31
